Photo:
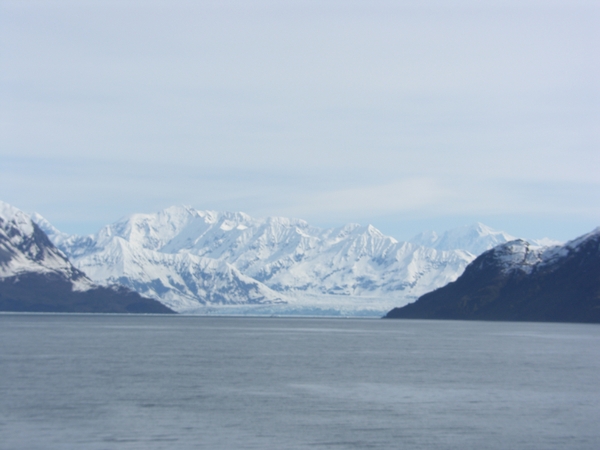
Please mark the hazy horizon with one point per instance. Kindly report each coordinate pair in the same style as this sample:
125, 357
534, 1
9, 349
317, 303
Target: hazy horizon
409, 117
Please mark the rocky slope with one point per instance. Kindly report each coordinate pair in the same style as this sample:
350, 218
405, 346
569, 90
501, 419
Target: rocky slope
520, 282
36, 276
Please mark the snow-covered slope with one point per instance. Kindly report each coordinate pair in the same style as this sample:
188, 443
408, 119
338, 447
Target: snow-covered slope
182, 281
525, 257
475, 239
36, 276
204, 260
24, 248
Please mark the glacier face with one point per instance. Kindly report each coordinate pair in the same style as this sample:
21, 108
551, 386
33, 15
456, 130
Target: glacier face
207, 261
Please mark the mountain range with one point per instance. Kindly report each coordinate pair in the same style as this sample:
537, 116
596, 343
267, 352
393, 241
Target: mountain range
221, 262
517, 281
224, 262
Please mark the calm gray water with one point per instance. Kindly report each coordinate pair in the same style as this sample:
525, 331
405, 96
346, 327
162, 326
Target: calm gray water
144, 382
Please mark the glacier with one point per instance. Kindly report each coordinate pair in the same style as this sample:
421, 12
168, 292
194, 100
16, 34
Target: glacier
209, 262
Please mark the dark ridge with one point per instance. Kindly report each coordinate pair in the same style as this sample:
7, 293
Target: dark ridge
566, 289
33, 292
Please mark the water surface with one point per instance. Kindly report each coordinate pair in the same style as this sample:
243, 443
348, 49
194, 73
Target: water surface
163, 382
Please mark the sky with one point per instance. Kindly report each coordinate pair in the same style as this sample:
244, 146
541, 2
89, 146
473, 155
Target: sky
407, 115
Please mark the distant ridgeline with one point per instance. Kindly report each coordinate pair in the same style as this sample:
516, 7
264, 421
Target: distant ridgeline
36, 277
519, 282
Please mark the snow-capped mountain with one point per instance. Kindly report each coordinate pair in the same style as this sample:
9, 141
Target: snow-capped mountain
520, 281
24, 248
201, 260
475, 239
36, 276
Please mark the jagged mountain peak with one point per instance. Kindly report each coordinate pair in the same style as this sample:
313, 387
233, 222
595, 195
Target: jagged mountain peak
24, 247
517, 254
482, 229
11, 217
477, 229
46, 226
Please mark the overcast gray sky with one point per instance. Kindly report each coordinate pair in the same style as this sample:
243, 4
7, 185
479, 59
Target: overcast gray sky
408, 115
